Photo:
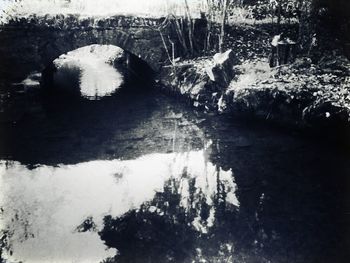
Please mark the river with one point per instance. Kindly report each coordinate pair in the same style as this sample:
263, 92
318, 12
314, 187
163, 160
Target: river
126, 174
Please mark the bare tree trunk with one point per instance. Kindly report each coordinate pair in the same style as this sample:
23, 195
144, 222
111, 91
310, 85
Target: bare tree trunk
223, 22
306, 25
165, 46
279, 15
190, 27
210, 17
179, 30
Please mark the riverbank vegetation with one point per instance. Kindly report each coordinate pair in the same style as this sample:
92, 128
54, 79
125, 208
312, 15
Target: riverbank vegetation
309, 88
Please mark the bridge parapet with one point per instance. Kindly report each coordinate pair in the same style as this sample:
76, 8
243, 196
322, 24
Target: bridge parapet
69, 22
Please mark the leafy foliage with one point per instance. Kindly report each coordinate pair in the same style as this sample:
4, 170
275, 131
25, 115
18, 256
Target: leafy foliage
269, 8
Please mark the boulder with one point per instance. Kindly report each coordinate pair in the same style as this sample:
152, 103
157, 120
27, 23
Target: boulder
203, 81
222, 70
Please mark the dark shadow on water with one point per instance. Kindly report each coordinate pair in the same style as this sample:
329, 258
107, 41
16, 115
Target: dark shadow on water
59, 128
288, 212
294, 205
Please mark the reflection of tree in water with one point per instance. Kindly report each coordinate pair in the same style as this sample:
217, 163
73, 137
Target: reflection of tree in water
175, 227
7, 232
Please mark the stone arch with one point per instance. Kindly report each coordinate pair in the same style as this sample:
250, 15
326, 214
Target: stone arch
53, 49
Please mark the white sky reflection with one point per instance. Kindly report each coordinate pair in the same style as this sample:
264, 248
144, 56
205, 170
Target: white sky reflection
43, 207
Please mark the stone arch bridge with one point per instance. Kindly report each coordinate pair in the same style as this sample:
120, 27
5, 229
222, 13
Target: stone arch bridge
30, 44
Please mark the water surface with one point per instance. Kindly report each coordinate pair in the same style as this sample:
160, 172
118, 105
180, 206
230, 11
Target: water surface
137, 176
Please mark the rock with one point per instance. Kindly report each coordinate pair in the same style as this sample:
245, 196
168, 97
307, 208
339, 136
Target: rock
337, 65
302, 63
203, 80
221, 72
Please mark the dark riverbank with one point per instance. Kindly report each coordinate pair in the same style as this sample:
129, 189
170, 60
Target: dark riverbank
308, 94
